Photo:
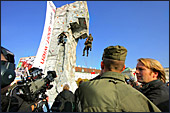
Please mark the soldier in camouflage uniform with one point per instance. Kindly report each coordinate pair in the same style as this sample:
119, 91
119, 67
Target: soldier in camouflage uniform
88, 44
110, 93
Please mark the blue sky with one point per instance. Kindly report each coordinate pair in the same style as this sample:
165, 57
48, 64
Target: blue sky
140, 26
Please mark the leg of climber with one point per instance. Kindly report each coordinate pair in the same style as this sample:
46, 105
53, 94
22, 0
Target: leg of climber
84, 50
90, 47
87, 50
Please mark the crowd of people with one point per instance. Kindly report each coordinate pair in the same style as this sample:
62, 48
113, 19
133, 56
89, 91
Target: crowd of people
107, 92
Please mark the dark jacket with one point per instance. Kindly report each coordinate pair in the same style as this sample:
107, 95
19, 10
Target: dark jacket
15, 104
158, 93
110, 93
4, 103
64, 102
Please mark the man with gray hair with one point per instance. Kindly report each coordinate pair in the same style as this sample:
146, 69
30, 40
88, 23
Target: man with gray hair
110, 93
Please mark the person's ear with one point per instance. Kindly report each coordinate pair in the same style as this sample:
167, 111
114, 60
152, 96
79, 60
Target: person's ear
155, 74
102, 65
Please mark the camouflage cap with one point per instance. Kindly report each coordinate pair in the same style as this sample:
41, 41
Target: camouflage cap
115, 53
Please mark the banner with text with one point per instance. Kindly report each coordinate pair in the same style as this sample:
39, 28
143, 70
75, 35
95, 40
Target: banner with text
43, 49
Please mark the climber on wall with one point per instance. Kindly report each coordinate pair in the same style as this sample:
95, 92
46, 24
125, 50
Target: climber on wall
62, 38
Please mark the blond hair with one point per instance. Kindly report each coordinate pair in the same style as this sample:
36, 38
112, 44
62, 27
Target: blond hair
66, 87
155, 66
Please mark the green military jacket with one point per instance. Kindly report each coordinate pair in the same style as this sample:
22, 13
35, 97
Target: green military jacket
89, 42
90, 38
110, 93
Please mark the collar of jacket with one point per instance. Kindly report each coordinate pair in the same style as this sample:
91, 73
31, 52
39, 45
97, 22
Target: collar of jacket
152, 84
113, 75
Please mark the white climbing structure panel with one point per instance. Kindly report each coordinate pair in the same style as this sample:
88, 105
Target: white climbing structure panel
73, 19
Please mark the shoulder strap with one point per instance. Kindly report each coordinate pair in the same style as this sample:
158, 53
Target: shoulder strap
10, 97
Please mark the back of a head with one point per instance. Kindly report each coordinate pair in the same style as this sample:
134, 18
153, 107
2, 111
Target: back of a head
79, 81
114, 57
7, 67
66, 87
155, 66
